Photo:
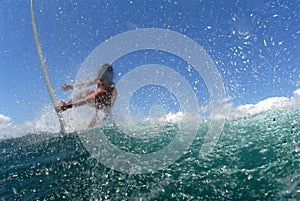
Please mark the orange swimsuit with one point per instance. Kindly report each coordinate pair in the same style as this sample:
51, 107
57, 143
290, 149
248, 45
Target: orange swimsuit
105, 99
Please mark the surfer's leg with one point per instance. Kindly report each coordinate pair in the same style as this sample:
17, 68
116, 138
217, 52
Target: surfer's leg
94, 121
101, 115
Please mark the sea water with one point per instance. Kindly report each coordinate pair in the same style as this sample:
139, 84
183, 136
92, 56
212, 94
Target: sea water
256, 158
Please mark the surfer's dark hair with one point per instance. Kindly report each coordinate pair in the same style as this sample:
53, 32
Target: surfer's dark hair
106, 73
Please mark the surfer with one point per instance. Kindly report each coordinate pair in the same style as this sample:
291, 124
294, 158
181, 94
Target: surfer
102, 98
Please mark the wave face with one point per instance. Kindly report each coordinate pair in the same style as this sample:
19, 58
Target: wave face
255, 158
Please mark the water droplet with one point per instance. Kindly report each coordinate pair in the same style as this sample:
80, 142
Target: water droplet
265, 43
297, 149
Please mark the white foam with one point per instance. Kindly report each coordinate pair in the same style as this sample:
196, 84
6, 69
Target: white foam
46, 122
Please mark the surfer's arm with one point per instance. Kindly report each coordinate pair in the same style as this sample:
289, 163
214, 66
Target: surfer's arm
66, 87
88, 98
64, 106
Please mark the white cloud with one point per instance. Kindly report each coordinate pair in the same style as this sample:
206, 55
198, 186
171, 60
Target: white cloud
267, 105
297, 94
172, 117
4, 119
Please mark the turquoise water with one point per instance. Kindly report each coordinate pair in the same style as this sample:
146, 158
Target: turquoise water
256, 158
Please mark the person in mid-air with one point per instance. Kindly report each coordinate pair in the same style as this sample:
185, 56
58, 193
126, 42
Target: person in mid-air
102, 99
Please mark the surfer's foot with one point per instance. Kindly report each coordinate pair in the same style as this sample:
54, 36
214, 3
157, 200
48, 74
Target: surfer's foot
62, 106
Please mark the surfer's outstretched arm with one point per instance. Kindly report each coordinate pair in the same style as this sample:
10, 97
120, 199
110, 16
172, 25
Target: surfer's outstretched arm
66, 87
91, 97
64, 106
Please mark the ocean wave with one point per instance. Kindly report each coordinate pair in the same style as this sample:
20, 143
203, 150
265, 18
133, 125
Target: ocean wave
260, 152
47, 121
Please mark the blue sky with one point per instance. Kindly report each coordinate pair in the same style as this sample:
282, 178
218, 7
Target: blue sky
254, 44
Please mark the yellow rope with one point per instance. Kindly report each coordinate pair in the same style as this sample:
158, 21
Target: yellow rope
44, 69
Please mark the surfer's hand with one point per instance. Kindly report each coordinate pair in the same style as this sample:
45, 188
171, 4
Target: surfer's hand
66, 87
62, 106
